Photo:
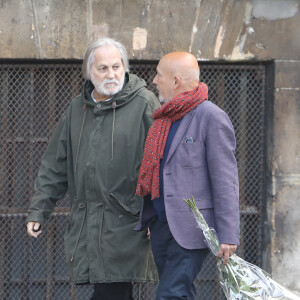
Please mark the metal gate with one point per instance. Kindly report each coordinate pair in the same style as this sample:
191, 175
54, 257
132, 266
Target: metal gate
32, 98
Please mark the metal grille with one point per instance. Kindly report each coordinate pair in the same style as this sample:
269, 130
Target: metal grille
33, 96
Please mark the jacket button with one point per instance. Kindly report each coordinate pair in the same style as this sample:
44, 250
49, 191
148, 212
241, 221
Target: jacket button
98, 105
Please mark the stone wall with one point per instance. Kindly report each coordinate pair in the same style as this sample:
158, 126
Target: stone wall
213, 30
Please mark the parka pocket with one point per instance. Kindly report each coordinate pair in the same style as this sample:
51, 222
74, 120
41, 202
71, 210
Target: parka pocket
122, 207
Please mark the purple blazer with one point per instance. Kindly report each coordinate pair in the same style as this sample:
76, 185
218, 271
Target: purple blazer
201, 163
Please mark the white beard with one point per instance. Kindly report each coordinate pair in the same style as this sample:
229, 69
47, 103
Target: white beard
102, 90
162, 99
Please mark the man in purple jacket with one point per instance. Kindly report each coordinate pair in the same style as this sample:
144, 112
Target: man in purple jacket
189, 152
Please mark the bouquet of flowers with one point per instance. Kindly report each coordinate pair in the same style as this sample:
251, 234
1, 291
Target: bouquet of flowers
238, 278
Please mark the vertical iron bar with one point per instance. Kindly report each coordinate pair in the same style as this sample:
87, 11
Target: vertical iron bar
11, 177
262, 75
221, 88
242, 142
50, 284
3, 165
52, 101
28, 148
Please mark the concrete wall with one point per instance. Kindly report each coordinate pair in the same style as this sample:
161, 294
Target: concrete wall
213, 30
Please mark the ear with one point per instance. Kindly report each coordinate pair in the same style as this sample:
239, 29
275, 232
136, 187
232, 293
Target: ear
177, 82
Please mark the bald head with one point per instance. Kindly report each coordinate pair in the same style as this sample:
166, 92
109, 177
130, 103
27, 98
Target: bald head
180, 70
182, 64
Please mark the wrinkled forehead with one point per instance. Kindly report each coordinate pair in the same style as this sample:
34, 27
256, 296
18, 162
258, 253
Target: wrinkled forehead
107, 55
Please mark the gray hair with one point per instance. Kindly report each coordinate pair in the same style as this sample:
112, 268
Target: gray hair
102, 42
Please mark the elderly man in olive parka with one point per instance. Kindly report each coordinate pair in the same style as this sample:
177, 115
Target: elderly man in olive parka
94, 156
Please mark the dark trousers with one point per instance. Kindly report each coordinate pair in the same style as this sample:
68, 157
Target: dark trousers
113, 291
177, 267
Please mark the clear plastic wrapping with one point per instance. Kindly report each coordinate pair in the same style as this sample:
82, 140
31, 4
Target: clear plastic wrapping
238, 278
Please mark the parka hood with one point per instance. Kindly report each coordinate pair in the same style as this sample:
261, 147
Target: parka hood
132, 85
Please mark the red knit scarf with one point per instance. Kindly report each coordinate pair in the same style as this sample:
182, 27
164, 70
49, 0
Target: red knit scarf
168, 113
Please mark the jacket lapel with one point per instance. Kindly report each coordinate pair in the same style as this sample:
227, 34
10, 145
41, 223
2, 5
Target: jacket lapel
180, 133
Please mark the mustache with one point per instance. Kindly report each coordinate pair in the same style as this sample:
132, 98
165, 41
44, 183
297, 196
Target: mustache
108, 81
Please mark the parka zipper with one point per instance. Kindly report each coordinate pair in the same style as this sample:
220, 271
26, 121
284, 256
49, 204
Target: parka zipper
81, 227
114, 105
80, 135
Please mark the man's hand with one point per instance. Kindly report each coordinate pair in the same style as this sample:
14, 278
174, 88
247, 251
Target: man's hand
148, 234
34, 229
226, 250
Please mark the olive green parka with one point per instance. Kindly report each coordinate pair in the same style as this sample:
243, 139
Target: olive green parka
94, 155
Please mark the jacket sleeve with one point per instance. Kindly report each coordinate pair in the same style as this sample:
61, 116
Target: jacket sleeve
223, 172
51, 183
153, 104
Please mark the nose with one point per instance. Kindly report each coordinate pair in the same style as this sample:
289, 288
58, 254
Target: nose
155, 80
111, 73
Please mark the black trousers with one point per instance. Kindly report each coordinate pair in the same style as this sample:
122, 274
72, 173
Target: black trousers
112, 291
